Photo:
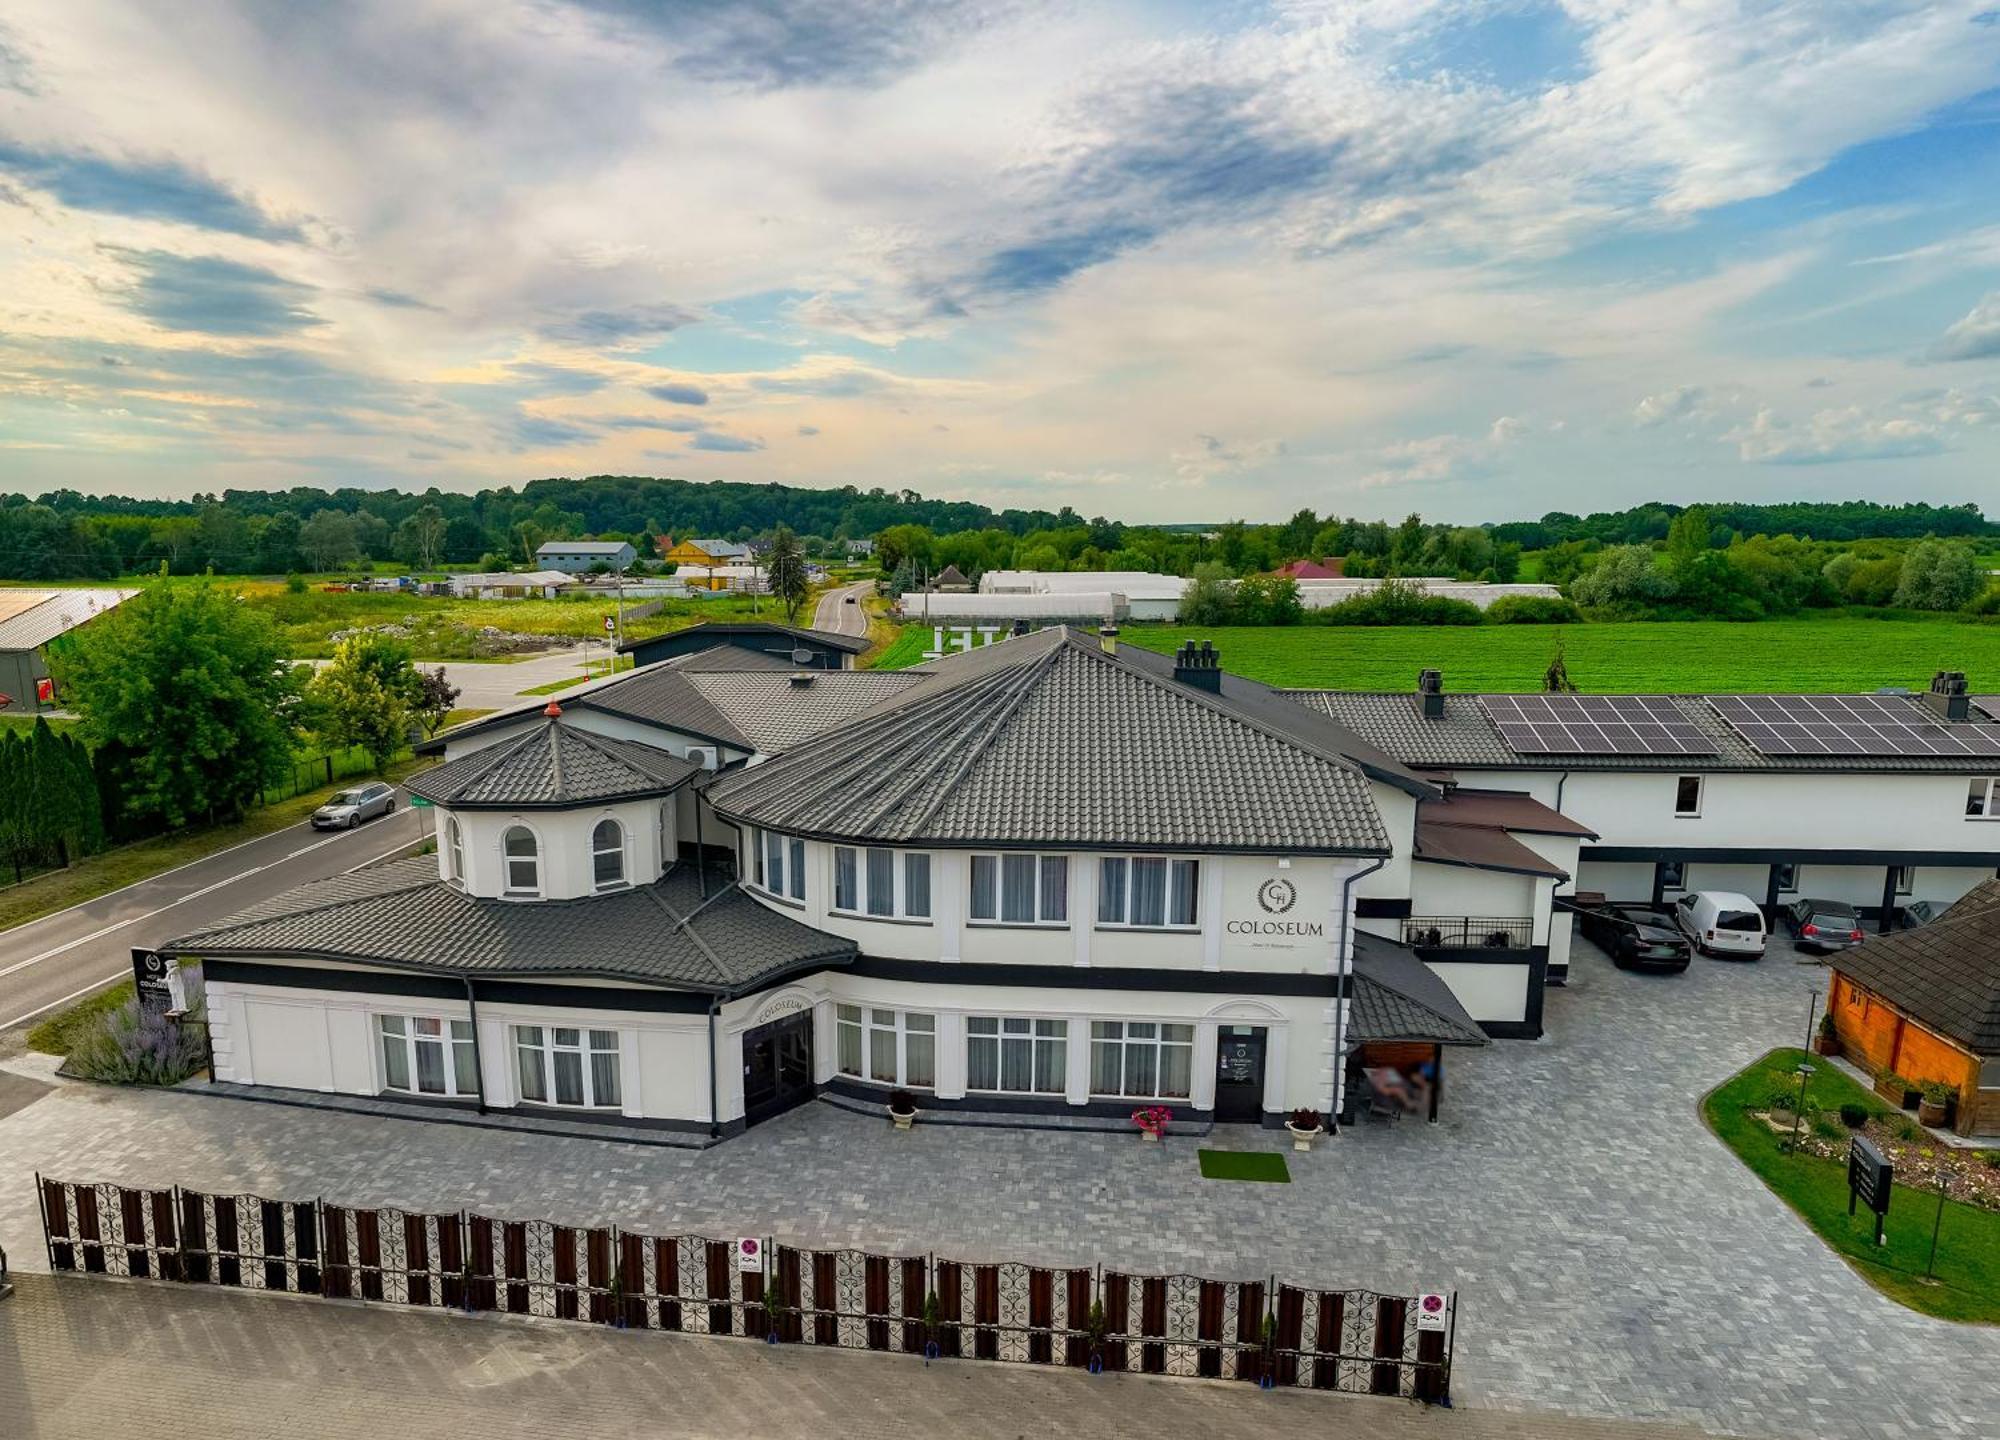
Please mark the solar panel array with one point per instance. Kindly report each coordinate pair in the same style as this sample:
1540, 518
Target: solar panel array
1595, 725
1850, 725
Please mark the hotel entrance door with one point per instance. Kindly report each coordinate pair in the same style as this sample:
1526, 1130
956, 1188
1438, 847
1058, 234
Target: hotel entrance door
777, 1067
1239, 1073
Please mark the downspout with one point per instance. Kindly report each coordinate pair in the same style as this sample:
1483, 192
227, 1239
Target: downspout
478, 1061
714, 1094
1344, 993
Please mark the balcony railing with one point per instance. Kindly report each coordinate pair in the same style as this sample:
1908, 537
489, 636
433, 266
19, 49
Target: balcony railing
1468, 932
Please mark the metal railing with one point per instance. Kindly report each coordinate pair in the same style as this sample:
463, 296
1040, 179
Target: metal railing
1087, 1317
1468, 932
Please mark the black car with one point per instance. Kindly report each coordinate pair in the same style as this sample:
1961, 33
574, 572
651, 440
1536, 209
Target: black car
1635, 936
1823, 925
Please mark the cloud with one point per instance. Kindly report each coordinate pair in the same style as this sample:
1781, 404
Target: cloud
1833, 437
805, 430
1680, 403
142, 190
540, 432
213, 296
559, 379
397, 300
610, 329
1976, 337
678, 394
728, 444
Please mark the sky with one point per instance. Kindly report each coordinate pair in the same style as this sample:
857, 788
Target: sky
1163, 261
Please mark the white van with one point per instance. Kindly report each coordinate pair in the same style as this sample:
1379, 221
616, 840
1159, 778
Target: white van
1721, 922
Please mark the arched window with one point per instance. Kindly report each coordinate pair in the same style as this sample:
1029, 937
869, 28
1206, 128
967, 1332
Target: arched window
524, 864
454, 850
607, 855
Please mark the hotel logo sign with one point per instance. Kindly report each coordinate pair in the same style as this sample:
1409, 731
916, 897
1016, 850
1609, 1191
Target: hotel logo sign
1277, 897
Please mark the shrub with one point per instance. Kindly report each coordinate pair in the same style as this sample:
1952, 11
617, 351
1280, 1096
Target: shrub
135, 1047
1990, 1159
1907, 1129
1825, 1128
1399, 602
1532, 610
1782, 1097
1938, 1093
1853, 1116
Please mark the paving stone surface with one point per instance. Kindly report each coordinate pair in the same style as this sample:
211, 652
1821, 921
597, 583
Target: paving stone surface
1613, 1259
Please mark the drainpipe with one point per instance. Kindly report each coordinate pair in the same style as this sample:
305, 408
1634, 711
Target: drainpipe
714, 1093
700, 849
1345, 994
478, 1061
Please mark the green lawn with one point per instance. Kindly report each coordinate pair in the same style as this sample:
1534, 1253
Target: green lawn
1255, 1165
24, 725
1968, 1257
1829, 653
59, 1034
594, 670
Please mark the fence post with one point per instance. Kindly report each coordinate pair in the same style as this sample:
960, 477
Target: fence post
1450, 1348
42, 1204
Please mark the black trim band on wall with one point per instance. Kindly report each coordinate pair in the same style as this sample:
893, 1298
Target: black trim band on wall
1374, 908
1093, 977
441, 987
849, 1088
1770, 855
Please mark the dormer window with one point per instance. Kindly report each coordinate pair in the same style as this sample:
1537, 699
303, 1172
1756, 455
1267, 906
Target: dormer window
607, 856
523, 858
454, 850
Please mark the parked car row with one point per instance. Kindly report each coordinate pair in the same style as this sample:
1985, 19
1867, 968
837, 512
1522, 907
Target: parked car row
1719, 923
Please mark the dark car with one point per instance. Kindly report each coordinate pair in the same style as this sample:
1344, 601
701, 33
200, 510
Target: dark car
1635, 936
1822, 925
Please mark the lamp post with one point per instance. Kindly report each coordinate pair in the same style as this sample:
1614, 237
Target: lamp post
1805, 1073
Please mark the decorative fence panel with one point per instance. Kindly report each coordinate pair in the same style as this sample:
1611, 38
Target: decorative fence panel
1259, 1331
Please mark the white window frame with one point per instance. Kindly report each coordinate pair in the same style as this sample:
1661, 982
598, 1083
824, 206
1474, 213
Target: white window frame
449, 1041
623, 879
1158, 1043
546, 1050
1903, 879
1984, 792
789, 851
1183, 881
863, 1023
1038, 879
508, 890
864, 897
1035, 1039
454, 849
1700, 794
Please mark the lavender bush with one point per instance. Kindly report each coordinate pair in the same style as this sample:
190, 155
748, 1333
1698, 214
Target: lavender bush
131, 1047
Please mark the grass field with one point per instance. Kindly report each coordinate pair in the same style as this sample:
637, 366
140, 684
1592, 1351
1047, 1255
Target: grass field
1967, 1284
1831, 653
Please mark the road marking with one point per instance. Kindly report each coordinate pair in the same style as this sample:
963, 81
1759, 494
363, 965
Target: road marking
73, 995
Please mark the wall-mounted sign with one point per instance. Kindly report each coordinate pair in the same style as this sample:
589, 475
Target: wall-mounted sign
750, 1255
45, 690
1432, 1311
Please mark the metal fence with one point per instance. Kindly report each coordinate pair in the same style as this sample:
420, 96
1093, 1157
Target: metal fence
1087, 1317
1468, 932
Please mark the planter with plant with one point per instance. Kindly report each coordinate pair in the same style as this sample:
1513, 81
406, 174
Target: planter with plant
1152, 1122
1305, 1126
1934, 1103
933, 1326
1094, 1327
1896, 1090
902, 1109
1828, 1041
1853, 1115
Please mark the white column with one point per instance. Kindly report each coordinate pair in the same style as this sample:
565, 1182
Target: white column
1077, 1055
1082, 904
949, 878
826, 1042
498, 1081
1211, 914
1332, 1073
1275, 1098
1202, 1092
950, 1055
631, 1102
1545, 889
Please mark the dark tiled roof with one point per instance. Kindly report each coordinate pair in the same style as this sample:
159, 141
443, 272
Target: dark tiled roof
1046, 739
1463, 738
553, 765
403, 915
1944, 975
1505, 810
1398, 997
774, 712
728, 630
1481, 847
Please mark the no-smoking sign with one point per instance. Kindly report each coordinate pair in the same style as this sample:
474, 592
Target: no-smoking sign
1431, 1311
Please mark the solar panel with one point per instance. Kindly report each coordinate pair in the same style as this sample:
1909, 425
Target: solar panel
1595, 725
1892, 725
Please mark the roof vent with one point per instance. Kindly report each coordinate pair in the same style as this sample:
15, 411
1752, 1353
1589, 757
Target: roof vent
1020, 628
1201, 668
801, 679
552, 710
1947, 698
1430, 694
1107, 638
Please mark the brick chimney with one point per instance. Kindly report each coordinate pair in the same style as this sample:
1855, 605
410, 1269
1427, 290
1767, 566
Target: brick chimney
1201, 668
1430, 694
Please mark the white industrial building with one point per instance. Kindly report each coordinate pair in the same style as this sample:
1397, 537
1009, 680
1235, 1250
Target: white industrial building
1139, 594
509, 584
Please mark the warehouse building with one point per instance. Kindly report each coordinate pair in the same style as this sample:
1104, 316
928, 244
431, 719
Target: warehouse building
578, 557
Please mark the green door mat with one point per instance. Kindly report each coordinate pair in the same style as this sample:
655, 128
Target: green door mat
1245, 1165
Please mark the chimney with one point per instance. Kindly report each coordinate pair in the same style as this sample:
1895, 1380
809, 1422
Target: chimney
1200, 668
1107, 638
1946, 698
1020, 629
1430, 694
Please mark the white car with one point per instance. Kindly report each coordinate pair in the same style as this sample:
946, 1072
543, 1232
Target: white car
1721, 922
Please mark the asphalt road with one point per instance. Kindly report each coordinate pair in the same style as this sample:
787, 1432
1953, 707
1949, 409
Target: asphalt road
63, 957
835, 615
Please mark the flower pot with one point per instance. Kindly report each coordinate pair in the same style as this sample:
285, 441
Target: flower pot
1930, 1112
1827, 1044
1151, 1137
902, 1119
1303, 1139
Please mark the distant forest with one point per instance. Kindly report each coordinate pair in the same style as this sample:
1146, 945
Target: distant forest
69, 535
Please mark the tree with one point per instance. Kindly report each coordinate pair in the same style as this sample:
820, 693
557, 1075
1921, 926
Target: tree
528, 538
363, 698
327, 540
1210, 596
278, 545
432, 699
1624, 577
898, 543
786, 567
420, 538
196, 689
1555, 679
1938, 575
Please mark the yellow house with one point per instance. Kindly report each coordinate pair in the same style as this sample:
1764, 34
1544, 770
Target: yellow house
695, 561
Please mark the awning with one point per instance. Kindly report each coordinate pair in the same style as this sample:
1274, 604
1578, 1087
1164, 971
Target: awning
1398, 997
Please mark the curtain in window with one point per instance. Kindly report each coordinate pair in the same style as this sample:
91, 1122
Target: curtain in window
847, 1039
774, 862
1111, 891
982, 1053
919, 1050
798, 871
1149, 892
882, 1046
917, 885
985, 882
604, 1068
1186, 876
1142, 1058
464, 1059
569, 1067
429, 1046
528, 1060
881, 882
1017, 889
1106, 1058
1177, 1061
1051, 1056
1055, 887
1017, 1055
844, 880
395, 1054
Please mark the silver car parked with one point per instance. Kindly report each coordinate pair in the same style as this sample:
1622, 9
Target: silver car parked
350, 807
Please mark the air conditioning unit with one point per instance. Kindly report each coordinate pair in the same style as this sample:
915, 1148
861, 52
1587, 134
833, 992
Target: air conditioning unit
705, 756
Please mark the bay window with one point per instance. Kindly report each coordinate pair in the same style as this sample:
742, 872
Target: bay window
894, 1047
1019, 889
1143, 1059
424, 1055
1148, 891
563, 1065
865, 882
1016, 1055
779, 863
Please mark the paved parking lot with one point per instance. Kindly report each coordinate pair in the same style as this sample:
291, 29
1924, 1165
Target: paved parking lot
1612, 1258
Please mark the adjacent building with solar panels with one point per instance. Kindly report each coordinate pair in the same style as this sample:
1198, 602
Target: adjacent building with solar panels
1880, 800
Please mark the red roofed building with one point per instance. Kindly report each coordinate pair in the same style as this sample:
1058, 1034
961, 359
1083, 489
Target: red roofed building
1333, 567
